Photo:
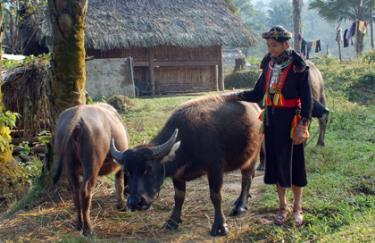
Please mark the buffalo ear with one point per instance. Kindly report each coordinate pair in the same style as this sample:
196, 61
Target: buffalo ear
172, 153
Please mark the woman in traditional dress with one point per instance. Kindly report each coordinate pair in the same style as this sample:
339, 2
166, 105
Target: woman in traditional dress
285, 90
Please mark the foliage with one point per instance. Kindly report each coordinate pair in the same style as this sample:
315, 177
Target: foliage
43, 137
363, 89
369, 57
353, 80
280, 13
7, 122
28, 61
242, 79
232, 7
121, 103
343, 9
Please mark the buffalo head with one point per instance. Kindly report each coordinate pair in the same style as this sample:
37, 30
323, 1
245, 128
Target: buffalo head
145, 170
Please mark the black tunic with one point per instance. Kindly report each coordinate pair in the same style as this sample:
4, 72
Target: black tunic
285, 162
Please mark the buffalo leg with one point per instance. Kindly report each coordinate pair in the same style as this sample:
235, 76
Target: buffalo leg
179, 197
322, 129
215, 181
74, 182
86, 196
240, 206
262, 166
120, 185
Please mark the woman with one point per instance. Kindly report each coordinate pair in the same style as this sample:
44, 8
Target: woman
285, 90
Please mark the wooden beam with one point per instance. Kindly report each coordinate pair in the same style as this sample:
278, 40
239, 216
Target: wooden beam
140, 64
185, 63
178, 63
151, 69
220, 67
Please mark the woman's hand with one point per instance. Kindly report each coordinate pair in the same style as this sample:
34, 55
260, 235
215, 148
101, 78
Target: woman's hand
302, 134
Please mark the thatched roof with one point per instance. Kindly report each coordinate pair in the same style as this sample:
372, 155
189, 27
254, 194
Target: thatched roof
145, 23
115, 24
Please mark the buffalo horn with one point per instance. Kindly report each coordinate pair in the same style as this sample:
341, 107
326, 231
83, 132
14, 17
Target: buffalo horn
117, 155
161, 150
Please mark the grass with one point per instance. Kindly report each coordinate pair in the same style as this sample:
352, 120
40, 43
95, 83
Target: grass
339, 200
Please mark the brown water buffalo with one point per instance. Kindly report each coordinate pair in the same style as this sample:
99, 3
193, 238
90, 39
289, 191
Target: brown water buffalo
82, 143
317, 83
214, 135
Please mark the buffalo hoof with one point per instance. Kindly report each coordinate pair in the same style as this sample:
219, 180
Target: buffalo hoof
121, 206
219, 230
172, 224
78, 225
237, 211
87, 232
260, 167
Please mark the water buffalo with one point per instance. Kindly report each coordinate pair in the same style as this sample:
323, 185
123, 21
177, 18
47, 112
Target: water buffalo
214, 135
82, 145
317, 83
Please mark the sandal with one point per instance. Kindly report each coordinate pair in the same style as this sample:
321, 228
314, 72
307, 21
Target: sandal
298, 217
282, 216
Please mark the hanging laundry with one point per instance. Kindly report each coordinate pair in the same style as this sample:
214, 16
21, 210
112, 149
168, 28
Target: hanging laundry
303, 47
308, 49
313, 46
348, 34
362, 26
352, 32
318, 47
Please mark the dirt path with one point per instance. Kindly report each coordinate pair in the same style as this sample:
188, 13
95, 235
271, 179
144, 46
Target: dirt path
54, 220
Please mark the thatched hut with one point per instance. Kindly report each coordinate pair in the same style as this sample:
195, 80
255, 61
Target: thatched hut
175, 45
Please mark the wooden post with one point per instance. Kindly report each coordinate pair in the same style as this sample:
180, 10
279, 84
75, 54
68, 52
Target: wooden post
131, 73
339, 41
216, 76
151, 69
220, 67
372, 28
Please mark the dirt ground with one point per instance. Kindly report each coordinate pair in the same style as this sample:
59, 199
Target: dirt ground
53, 220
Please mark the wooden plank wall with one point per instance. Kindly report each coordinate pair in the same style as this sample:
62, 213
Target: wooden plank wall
167, 69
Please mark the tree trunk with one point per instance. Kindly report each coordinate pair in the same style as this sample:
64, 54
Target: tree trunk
297, 26
359, 45
68, 20
372, 28
12, 184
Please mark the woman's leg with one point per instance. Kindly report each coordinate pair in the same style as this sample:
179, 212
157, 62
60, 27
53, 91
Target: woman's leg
283, 212
281, 191
297, 206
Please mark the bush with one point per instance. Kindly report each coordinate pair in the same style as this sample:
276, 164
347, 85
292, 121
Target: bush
242, 79
363, 89
369, 57
121, 103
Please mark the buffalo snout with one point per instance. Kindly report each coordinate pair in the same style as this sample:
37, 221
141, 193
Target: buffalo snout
138, 203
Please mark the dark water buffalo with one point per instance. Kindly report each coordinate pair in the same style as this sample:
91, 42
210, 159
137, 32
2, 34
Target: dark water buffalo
82, 143
214, 135
317, 83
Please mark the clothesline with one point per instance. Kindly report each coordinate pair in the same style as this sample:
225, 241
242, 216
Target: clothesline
347, 36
